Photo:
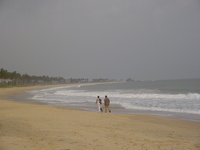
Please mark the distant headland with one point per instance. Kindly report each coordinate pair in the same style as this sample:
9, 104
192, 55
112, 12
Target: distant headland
130, 80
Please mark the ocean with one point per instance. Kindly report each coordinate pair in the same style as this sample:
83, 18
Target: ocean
178, 99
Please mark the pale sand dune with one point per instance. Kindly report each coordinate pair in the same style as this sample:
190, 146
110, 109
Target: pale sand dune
30, 126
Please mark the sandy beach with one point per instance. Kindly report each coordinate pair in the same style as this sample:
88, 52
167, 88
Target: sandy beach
34, 126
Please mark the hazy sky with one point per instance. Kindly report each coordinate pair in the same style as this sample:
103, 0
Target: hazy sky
117, 39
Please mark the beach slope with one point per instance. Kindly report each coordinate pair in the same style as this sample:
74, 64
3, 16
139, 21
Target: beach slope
33, 126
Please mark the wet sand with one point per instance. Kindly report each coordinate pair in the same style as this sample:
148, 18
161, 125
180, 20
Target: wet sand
34, 126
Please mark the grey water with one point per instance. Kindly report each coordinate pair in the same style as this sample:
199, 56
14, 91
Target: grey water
178, 99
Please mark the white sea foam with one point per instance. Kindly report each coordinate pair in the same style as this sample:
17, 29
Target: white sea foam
129, 95
137, 99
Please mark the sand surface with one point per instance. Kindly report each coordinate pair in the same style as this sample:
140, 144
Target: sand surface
32, 126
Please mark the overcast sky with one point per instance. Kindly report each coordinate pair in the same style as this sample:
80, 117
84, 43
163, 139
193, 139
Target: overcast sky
117, 39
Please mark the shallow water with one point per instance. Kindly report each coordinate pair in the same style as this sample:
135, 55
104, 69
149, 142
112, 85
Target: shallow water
172, 98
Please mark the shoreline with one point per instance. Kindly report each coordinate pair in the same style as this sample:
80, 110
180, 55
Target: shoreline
24, 97
26, 125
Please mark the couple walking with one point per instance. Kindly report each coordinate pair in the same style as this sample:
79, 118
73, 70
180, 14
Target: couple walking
106, 104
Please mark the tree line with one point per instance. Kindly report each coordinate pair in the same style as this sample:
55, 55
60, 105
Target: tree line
16, 79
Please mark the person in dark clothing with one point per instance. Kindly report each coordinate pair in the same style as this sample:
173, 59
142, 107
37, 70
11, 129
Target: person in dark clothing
107, 104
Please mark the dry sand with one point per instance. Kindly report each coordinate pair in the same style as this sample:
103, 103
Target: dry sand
31, 126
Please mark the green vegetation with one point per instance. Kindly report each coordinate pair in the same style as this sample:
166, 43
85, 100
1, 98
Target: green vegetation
8, 79
103, 80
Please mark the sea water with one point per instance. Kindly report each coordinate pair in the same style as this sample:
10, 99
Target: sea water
172, 98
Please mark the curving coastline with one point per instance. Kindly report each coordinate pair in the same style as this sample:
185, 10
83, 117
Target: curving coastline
33, 126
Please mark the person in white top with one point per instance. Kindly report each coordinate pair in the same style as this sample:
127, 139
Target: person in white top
99, 102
